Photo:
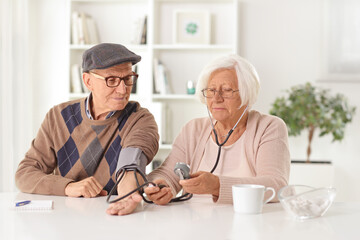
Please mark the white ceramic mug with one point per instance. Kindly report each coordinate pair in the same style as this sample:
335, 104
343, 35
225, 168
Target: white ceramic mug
249, 198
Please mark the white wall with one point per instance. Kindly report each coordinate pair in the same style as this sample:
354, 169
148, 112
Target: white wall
48, 41
282, 38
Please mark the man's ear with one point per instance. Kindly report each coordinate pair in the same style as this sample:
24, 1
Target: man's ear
87, 81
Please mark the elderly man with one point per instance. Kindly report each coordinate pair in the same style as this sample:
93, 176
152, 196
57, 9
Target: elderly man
82, 144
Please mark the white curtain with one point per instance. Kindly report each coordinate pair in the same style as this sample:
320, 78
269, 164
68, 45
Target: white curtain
15, 89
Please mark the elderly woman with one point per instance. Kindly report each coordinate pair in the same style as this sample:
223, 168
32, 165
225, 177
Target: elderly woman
236, 146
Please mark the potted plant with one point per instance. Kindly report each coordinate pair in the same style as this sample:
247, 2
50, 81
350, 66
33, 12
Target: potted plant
311, 108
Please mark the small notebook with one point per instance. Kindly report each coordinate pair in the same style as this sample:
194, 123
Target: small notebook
36, 205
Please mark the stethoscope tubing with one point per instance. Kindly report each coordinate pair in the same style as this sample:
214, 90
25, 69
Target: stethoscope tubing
227, 136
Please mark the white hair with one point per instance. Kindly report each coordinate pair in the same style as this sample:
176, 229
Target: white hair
248, 79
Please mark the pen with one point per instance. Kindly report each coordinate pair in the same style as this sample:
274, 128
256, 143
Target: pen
19, 204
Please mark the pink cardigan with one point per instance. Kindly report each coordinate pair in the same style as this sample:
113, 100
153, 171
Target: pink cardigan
265, 146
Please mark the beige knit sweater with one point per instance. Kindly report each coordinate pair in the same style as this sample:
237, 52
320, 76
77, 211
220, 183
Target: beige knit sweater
265, 146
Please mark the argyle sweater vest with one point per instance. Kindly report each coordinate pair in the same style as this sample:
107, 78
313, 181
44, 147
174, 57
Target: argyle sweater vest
94, 147
71, 147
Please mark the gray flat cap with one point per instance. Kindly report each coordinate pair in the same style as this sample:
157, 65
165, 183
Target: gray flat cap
105, 55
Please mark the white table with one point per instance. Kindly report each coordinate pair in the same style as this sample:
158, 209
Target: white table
199, 218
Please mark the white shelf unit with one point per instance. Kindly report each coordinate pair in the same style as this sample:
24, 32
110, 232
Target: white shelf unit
115, 21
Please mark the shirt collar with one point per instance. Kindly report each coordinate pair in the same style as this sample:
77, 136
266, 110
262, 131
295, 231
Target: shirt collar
87, 109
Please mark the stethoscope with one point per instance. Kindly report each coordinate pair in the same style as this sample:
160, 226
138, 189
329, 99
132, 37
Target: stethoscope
140, 188
184, 197
227, 136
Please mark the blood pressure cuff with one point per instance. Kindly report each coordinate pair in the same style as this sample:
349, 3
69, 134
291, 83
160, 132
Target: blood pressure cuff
131, 157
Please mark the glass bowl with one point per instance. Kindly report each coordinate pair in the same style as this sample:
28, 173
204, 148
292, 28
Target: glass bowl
304, 202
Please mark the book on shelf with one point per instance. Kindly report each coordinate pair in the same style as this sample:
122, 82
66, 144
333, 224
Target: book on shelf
83, 29
133, 90
156, 87
161, 80
77, 84
140, 31
74, 28
144, 31
80, 29
92, 31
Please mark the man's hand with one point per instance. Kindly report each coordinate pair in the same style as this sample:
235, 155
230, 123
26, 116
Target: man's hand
202, 183
128, 204
159, 196
88, 187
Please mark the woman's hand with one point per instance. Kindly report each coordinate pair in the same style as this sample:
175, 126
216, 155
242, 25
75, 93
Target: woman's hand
160, 196
202, 183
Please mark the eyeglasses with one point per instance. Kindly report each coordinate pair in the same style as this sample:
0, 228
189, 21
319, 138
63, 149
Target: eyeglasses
224, 93
113, 81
